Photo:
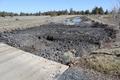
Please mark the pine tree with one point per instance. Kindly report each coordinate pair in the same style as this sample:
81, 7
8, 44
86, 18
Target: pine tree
101, 11
87, 12
106, 12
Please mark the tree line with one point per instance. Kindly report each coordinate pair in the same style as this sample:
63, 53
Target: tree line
3, 14
96, 10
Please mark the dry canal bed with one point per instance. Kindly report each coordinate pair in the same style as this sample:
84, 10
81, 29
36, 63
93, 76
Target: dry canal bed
54, 41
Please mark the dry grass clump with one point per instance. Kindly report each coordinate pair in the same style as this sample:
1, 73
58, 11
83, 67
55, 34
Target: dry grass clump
68, 57
105, 63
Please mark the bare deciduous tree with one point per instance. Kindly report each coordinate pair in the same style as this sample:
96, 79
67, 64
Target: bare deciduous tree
116, 14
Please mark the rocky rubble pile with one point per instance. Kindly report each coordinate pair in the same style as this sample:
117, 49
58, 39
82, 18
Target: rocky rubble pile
51, 41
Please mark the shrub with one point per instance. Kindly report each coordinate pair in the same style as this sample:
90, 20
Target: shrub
2, 15
68, 57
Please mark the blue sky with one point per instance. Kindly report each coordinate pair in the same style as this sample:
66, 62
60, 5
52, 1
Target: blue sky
46, 5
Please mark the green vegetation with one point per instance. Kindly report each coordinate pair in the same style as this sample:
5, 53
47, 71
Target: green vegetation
3, 14
96, 10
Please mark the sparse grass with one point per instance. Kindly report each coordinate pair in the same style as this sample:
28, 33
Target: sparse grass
108, 64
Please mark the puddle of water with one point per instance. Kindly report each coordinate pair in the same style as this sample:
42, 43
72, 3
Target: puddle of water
72, 21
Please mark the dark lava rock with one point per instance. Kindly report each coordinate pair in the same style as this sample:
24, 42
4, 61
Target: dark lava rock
51, 41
